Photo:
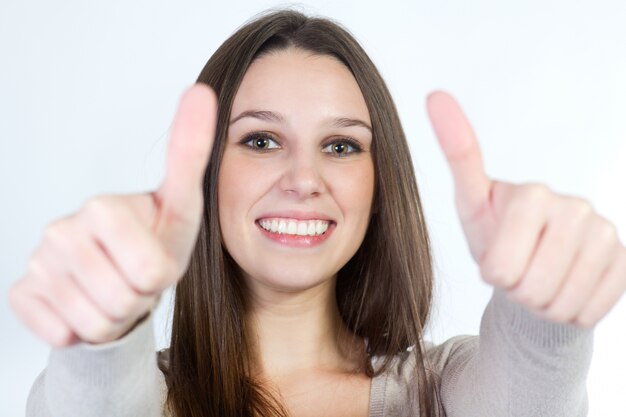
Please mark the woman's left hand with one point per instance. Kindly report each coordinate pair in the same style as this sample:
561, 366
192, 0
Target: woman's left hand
551, 253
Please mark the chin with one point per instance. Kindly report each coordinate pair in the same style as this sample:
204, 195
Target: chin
290, 280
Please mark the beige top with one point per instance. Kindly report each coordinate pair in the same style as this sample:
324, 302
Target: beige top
519, 366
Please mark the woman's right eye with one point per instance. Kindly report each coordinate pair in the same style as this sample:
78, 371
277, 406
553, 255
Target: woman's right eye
260, 142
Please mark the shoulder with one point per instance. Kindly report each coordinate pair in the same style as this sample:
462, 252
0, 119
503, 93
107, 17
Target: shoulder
450, 354
437, 358
394, 391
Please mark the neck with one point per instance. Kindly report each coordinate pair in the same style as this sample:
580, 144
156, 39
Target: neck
299, 331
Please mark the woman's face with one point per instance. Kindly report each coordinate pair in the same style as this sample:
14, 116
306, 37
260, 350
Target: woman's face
297, 177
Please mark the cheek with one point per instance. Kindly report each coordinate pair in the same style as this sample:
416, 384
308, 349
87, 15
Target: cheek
354, 191
226, 183
235, 181
230, 195
241, 184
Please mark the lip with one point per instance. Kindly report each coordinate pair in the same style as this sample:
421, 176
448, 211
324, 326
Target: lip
297, 215
296, 241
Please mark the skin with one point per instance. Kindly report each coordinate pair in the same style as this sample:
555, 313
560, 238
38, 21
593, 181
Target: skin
96, 271
300, 173
301, 340
550, 253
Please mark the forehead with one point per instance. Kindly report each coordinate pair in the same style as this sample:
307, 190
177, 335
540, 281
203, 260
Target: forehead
294, 80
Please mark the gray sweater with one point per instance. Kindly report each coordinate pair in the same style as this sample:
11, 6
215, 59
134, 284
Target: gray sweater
519, 366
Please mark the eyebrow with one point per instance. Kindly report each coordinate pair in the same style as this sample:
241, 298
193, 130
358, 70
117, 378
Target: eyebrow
270, 116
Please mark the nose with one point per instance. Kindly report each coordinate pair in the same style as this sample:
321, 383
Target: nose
302, 177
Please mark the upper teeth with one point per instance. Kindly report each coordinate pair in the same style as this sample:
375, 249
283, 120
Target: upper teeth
295, 227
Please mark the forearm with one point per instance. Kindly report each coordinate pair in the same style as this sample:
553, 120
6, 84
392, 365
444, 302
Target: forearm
119, 378
521, 366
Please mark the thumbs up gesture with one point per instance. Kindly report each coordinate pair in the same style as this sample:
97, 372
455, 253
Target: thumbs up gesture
550, 253
97, 271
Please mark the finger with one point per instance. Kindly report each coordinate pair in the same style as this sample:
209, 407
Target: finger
58, 288
591, 263
516, 238
37, 315
180, 194
566, 231
607, 294
130, 245
100, 280
460, 146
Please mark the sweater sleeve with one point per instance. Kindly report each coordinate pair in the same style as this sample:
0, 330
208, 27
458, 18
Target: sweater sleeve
115, 379
519, 366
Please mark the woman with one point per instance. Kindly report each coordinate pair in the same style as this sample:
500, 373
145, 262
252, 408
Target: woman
305, 262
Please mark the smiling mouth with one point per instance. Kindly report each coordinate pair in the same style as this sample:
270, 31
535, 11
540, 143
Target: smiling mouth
294, 227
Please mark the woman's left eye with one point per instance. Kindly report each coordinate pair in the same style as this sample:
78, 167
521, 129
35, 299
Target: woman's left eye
342, 147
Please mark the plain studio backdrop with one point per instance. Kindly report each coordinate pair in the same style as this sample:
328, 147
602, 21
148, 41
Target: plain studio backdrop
88, 91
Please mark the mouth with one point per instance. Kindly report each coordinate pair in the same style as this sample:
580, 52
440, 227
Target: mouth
295, 232
294, 227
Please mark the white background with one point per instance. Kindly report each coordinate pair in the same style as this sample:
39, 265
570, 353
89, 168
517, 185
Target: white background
88, 90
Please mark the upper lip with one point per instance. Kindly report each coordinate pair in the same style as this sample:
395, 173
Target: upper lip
297, 215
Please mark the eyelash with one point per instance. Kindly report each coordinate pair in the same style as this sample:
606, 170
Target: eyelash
354, 146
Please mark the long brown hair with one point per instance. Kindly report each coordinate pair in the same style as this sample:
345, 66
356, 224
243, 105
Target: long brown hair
383, 293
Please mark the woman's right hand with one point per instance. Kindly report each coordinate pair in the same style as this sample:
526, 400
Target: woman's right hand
97, 271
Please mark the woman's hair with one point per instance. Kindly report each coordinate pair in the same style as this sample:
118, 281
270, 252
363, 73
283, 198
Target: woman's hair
383, 293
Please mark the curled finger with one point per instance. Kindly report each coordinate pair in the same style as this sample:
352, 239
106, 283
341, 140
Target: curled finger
607, 293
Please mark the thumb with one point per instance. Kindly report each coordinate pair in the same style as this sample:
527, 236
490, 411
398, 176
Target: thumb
179, 198
460, 146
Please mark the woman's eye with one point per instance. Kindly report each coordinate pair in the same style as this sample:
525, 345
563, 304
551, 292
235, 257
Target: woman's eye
260, 142
342, 148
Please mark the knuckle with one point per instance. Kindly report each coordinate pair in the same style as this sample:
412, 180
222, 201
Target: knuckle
34, 266
108, 216
61, 337
606, 230
586, 265
125, 305
96, 330
84, 258
536, 299
585, 321
100, 209
579, 208
493, 274
96, 205
527, 297
56, 231
593, 312
60, 235
557, 315
148, 273
535, 289
41, 275
487, 270
156, 271
537, 193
